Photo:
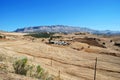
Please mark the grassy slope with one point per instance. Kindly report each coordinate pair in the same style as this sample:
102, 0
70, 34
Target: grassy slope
73, 64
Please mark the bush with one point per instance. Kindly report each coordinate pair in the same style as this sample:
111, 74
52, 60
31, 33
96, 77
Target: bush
117, 44
103, 43
42, 74
2, 57
1, 37
21, 67
39, 71
111, 41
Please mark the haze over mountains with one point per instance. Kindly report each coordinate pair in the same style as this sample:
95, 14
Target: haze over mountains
65, 29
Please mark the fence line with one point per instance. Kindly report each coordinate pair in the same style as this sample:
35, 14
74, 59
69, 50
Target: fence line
95, 68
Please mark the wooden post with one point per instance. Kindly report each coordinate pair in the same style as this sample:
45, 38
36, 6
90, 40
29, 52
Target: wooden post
59, 74
95, 68
51, 61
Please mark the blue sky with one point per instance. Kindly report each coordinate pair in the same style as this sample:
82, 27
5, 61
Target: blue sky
94, 14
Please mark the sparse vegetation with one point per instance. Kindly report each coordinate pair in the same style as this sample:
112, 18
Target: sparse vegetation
111, 41
88, 46
3, 65
56, 36
40, 35
117, 44
2, 57
103, 43
80, 33
0, 37
39, 71
54, 62
50, 39
21, 67
90, 41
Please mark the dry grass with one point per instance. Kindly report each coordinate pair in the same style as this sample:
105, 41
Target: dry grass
73, 64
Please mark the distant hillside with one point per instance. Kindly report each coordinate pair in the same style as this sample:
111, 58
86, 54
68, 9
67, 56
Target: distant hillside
54, 28
65, 29
2, 31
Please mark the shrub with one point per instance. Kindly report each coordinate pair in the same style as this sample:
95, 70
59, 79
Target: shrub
21, 67
3, 66
111, 41
103, 43
39, 71
1, 37
42, 74
117, 44
2, 57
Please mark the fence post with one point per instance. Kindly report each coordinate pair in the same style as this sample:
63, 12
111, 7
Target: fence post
95, 68
51, 61
59, 74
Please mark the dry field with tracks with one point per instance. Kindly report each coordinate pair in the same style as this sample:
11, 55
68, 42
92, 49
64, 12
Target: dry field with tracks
75, 61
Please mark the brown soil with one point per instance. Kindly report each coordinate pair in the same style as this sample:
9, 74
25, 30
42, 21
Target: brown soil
90, 41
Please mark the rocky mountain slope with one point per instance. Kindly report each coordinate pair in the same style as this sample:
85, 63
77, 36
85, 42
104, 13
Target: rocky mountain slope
54, 28
65, 29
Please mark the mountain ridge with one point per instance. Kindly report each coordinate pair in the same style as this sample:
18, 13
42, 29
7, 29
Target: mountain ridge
65, 29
